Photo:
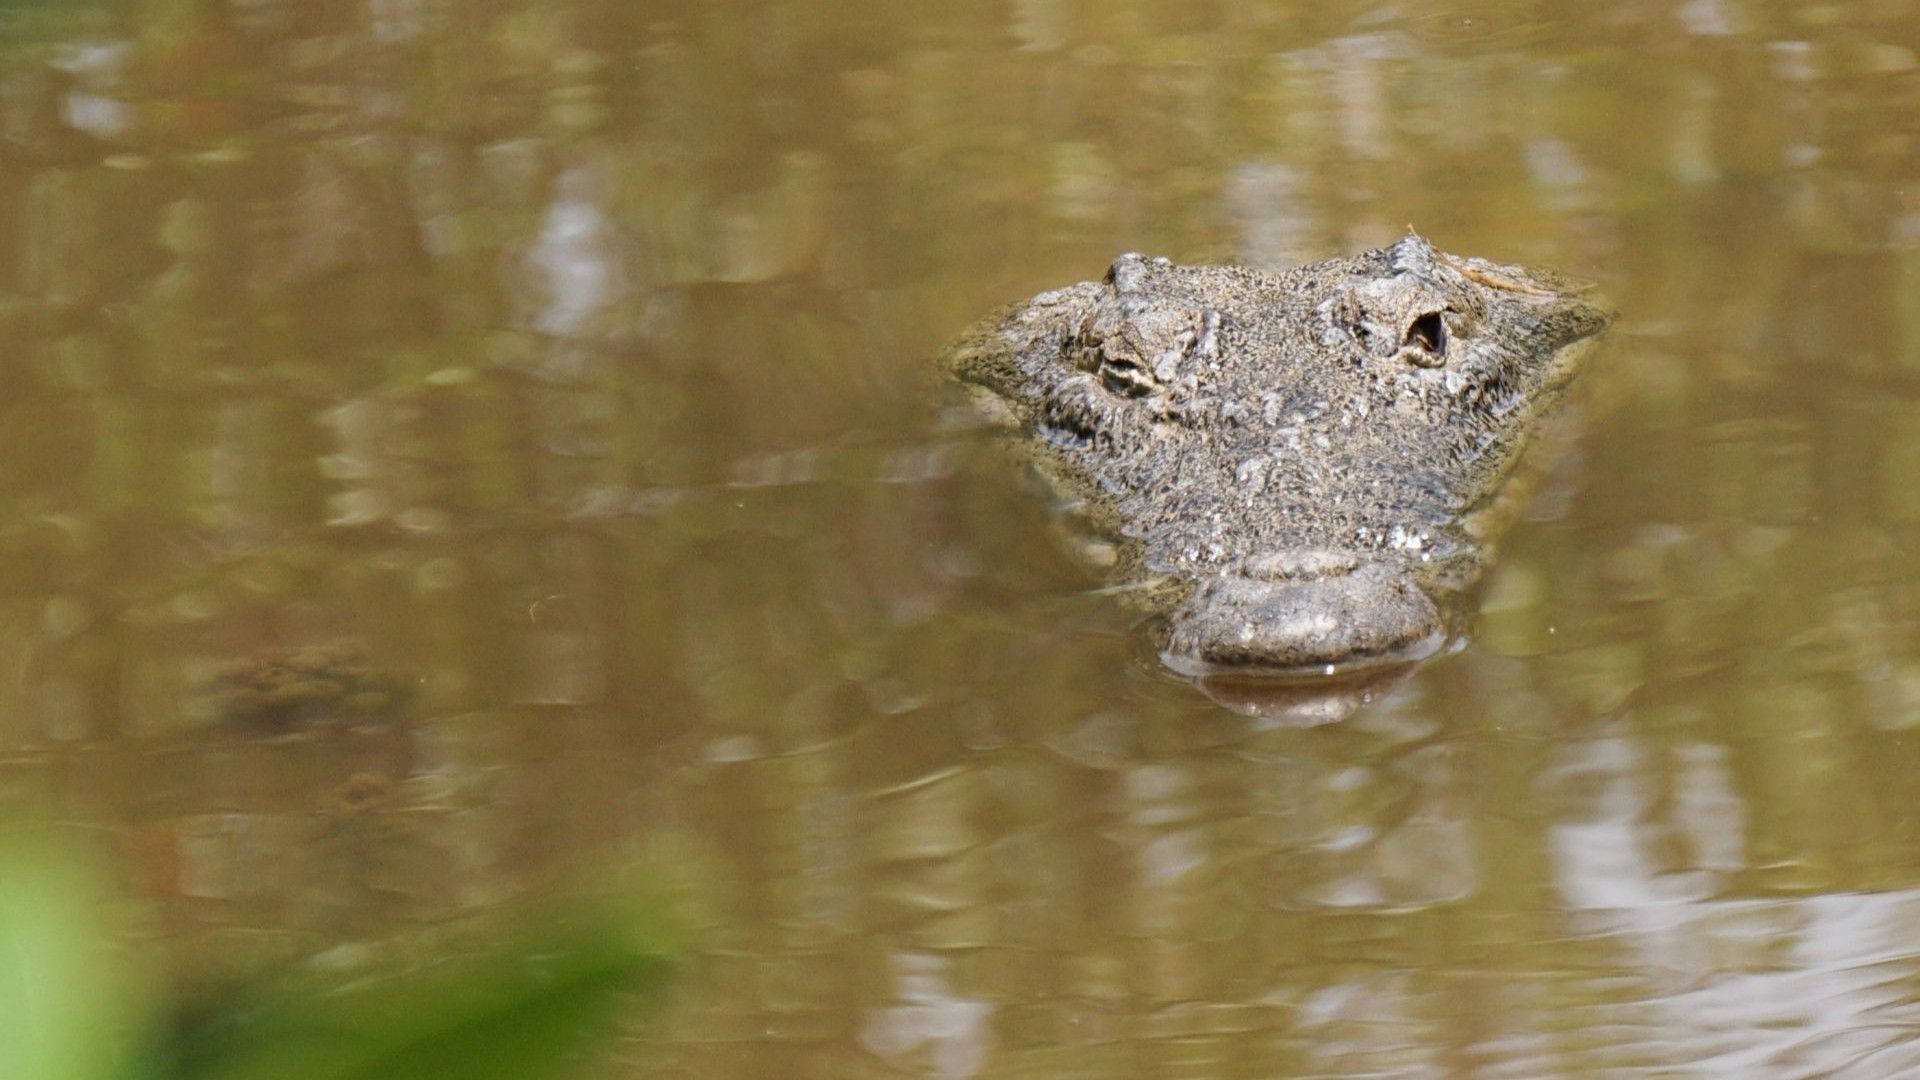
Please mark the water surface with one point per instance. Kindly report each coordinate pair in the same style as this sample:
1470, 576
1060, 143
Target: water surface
456, 444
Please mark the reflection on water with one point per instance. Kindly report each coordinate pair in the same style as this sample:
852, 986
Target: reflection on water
574, 360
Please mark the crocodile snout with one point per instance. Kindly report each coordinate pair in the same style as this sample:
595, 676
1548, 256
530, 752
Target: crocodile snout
1299, 613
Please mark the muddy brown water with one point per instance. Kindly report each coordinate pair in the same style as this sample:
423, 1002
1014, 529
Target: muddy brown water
454, 444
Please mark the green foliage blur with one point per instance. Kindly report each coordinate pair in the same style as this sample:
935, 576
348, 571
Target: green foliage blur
72, 1006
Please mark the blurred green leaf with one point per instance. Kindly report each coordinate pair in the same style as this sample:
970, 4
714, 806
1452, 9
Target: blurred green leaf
520, 1012
64, 1001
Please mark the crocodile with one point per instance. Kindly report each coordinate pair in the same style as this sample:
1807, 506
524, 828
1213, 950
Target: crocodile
1299, 471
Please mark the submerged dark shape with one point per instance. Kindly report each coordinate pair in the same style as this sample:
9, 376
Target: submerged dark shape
278, 690
1300, 467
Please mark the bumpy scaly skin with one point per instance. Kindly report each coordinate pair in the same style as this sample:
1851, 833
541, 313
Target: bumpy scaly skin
1309, 457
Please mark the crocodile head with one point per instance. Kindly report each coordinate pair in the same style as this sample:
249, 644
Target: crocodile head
1310, 463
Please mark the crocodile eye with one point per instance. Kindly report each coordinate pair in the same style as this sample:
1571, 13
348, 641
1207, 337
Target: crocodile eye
1427, 338
1123, 374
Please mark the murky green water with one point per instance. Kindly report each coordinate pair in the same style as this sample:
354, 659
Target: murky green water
574, 358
